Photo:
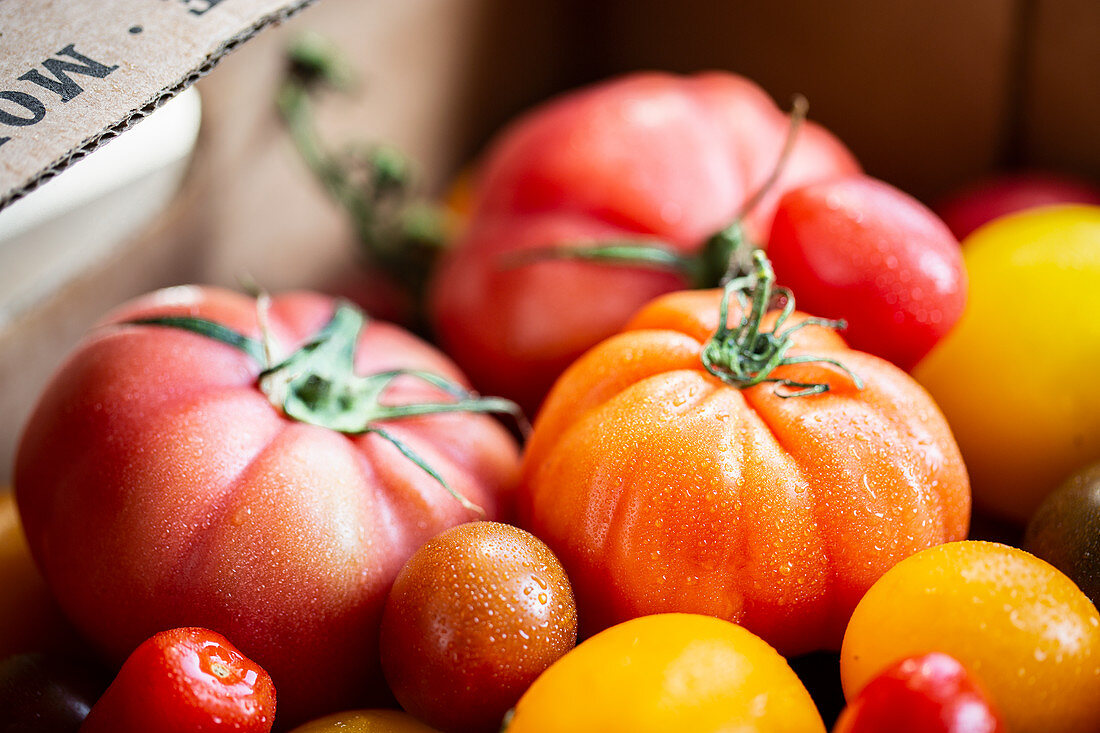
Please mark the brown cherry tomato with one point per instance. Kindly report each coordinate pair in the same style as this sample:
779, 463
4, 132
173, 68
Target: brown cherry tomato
1066, 531
42, 693
474, 617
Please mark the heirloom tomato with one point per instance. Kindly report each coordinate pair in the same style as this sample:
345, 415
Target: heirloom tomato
1024, 630
648, 157
1013, 376
186, 681
751, 468
180, 471
473, 618
668, 672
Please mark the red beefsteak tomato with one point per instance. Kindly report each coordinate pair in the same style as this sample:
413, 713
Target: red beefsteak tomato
163, 482
645, 157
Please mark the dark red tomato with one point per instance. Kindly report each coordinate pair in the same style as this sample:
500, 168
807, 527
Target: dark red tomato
933, 693
859, 249
649, 156
45, 694
186, 681
991, 199
474, 617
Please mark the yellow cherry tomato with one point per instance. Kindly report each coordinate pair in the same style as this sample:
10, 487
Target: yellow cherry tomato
1021, 627
1016, 378
30, 620
665, 673
366, 721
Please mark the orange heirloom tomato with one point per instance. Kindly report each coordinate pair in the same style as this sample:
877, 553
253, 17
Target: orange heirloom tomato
665, 484
1021, 627
669, 672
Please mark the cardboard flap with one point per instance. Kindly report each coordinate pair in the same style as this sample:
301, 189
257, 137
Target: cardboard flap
74, 74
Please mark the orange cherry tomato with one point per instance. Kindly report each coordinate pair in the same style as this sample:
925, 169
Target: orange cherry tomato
1025, 631
663, 486
366, 721
668, 672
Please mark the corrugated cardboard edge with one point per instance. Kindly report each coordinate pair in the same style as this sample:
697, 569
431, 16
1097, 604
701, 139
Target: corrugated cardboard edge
138, 114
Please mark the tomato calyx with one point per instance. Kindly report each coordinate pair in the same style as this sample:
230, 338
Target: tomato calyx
318, 385
746, 356
726, 254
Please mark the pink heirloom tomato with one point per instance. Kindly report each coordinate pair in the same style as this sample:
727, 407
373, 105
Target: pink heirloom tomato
188, 467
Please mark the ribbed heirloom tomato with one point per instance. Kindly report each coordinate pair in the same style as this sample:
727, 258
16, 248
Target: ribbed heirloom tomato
177, 478
737, 472
649, 156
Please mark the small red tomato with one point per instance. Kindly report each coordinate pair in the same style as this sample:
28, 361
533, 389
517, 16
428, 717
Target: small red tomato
474, 617
859, 249
186, 680
991, 199
928, 694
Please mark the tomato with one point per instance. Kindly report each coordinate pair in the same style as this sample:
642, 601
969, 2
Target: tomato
30, 620
163, 483
984, 201
665, 482
1012, 377
474, 617
647, 156
366, 721
45, 693
859, 249
1066, 531
668, 672
186, 681
1021, 627
931, 693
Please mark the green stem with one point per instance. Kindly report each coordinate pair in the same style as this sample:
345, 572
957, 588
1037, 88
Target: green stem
645, 253
747, 356
318, 384
724, 255
397, 233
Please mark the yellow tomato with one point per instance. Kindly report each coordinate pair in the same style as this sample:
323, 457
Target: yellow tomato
30, 620
1025, 630
1016, 378
366, 721
665, 673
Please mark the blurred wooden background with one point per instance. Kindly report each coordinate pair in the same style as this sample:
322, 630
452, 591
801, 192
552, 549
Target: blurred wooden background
928, 93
